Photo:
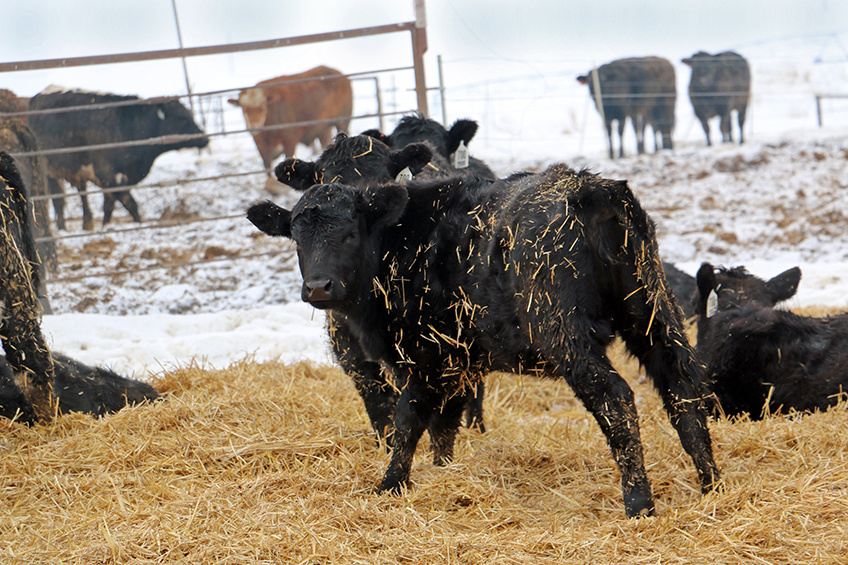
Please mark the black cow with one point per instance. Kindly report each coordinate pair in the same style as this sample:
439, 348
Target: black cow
759, 358
78, 388
107, 168
444, 281
443, 142
16, 137
720, 84
20, 314
642, 88
361, 160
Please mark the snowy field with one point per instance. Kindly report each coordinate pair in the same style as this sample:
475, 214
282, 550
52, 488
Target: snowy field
778, 201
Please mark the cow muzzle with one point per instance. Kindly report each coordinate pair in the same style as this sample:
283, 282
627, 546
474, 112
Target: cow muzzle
318, 290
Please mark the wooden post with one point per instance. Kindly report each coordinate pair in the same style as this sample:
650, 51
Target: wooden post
419, 47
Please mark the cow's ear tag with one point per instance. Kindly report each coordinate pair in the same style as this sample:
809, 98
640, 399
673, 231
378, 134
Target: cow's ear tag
712, 304
160, 114
460, 156
404, 176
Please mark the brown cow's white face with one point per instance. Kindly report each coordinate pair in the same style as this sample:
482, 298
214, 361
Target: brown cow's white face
254, 104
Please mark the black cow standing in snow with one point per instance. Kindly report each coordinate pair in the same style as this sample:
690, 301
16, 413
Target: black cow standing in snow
720, 84
107, 168
759, 358
445, 281
443, 142
641, 88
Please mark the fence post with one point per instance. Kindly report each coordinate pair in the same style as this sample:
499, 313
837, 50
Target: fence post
442, 91
419, 47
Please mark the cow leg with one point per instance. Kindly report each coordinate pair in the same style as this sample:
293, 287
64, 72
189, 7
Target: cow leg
726, 133
610, 400
666, 139
58, 201
705, 123
127, 201
609, 139
443, 427
740, 117
621, 137
378, 395
412, 415
678, 377
87, 219
639, 130
474, 408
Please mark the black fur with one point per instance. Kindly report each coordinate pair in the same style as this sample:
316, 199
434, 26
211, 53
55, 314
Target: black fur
757, 356
641, 88
107, 168
443, 142
445, 281
77, 388
719, 84
20, 313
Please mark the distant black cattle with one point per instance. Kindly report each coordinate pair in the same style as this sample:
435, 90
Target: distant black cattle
107, 168
361, 160
445, 281
20, 314
78, 388
444, 142
720, 84
641, 88
760, 359
16, 137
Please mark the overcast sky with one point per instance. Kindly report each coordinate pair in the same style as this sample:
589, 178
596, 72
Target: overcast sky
528, 31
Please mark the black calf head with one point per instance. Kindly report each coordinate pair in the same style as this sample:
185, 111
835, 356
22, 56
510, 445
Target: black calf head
725, 289
335, 228
353, 160
413, 129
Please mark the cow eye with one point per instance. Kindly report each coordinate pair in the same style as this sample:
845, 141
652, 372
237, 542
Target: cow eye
352, 237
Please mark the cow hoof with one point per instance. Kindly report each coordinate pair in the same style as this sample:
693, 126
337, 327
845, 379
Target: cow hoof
638, 503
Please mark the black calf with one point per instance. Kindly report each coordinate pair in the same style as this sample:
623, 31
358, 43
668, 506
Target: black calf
759, 358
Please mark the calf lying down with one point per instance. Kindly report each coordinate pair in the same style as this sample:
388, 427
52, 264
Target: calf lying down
760, 360
77, 387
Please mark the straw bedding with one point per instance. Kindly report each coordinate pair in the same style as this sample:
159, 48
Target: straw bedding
269, 463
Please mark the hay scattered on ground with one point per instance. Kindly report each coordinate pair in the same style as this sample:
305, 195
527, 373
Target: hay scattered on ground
267, 463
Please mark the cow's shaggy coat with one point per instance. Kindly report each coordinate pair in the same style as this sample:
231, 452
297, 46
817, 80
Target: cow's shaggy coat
20, 313
760, 359
445, 281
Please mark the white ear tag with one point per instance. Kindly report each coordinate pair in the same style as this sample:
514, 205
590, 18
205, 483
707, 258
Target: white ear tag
160, 114
460, 156
404, 176
712, 304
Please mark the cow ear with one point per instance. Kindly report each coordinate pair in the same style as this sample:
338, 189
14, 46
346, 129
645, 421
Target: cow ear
706, 280
415, 156
376, 134
270, 218
784, 286
386, 204
300, 175
461, 130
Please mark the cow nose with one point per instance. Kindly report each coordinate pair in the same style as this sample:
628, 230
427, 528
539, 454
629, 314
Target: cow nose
319, 290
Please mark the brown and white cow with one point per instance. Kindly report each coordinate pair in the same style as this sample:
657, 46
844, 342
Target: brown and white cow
319, 94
